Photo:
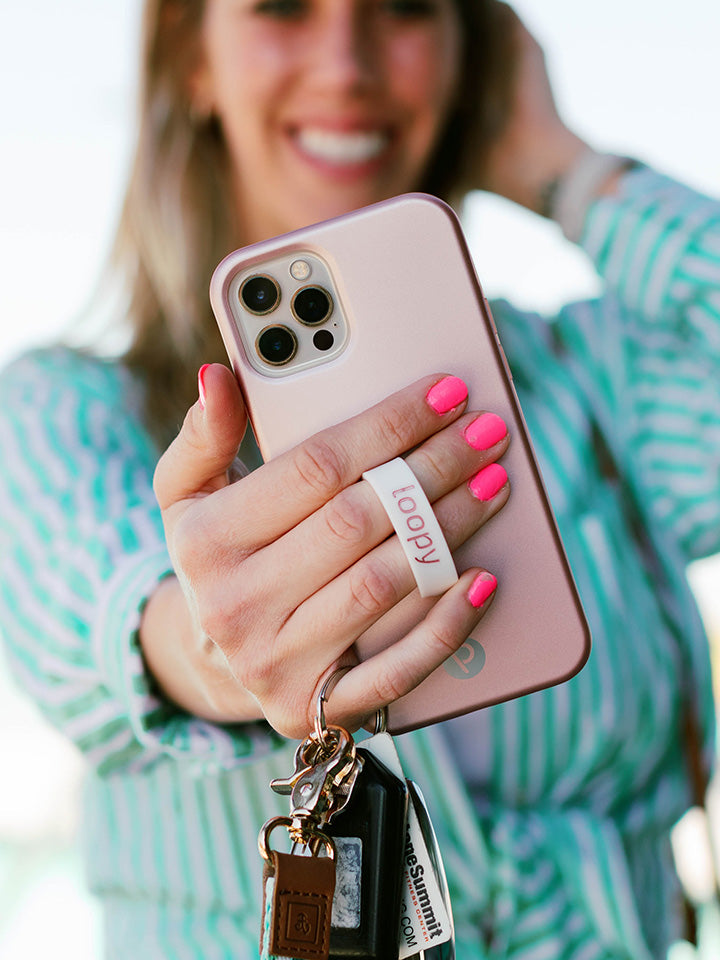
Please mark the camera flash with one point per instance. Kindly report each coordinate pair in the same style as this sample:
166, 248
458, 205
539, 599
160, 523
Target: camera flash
300, 269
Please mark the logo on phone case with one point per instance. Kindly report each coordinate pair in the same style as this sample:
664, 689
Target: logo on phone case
467, 662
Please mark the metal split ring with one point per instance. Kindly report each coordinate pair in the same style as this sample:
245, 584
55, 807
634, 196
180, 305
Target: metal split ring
320, 723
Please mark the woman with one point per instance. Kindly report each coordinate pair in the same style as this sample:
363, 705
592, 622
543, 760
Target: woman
160, 638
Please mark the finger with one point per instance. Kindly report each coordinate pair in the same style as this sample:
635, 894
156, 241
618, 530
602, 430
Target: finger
197, 460
353, 522
332, 619
397, 670
288, 489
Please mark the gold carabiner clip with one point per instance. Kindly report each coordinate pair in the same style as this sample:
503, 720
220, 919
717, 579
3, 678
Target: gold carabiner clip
312, 832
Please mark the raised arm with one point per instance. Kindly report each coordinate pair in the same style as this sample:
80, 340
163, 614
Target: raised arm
648, 351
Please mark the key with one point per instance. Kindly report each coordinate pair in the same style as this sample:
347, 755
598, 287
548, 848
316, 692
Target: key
369, 834
346, 803
298, 889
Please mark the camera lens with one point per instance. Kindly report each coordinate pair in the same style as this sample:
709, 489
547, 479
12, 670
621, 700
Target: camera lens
312, 305
260, 294
323, 340
277, 345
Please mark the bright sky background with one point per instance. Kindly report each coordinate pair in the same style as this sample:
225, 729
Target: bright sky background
634, 76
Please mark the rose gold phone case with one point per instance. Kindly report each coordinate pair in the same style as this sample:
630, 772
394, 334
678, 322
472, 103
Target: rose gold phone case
414, 306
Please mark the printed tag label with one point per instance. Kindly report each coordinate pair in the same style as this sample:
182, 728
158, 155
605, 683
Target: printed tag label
424, 920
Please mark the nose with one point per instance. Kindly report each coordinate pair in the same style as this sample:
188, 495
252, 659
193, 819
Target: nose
345, 56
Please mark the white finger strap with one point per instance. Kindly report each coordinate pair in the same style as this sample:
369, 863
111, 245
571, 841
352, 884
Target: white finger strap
416, 526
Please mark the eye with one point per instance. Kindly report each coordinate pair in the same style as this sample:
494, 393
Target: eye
281, 9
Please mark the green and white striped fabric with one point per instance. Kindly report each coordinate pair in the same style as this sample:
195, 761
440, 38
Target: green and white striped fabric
552, 811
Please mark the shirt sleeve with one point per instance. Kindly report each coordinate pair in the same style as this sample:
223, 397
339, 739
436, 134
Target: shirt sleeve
650, 348
82, 549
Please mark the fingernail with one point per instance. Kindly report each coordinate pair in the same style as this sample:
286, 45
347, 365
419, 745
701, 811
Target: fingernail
446, 394
488, 481
481, 588
485, 431
201, 384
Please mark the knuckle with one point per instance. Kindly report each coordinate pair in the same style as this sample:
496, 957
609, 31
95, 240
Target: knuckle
392, 685
216, 625
346, 518
319, 466
226, 616
216, 619
399, 425
438, 471
190, 531
190, 435
372, 587
441, 639
256, 673
164, 475
260, 668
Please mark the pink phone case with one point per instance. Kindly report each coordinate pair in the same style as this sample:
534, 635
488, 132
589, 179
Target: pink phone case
413, 305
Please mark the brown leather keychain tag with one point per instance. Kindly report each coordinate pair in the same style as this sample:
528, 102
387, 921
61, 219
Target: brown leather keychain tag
302, 890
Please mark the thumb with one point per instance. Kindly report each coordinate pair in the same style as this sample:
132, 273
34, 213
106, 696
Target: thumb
196, 461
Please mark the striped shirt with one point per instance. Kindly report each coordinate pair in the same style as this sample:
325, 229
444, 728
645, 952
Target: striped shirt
552, 811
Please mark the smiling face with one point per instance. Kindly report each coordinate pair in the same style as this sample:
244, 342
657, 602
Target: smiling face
326, 105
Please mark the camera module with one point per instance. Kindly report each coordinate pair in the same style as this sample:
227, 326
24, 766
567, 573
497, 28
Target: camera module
277, 345
260, 294
312, 306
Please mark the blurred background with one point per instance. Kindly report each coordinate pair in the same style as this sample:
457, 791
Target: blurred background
632, 76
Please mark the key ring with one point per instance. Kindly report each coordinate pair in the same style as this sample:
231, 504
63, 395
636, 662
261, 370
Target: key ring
320, 723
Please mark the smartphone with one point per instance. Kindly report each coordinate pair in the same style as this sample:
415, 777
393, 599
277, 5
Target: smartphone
320, 324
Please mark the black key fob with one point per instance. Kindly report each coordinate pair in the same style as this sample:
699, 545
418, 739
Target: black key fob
369, 833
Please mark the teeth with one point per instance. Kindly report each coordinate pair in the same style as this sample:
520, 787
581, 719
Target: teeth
356, 147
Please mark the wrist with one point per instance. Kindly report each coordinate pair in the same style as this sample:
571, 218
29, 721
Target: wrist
527, 162
567, 198
553, 163
189, 669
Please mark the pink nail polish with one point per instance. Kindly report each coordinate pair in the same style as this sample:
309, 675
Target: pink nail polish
485, 431
488, 481
481, 588
446, 394
201, 384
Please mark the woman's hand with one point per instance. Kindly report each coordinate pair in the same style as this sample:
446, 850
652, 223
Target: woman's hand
279, 573
533, 147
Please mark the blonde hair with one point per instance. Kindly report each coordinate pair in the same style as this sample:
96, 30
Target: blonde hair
178, 218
